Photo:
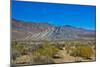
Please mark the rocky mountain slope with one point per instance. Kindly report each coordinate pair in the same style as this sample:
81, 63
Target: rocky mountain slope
44, 31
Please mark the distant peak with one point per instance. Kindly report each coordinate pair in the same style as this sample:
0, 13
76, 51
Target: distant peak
67, 26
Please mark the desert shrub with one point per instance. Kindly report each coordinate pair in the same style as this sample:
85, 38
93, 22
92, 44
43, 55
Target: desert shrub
75, 53
15, 54
44, 54
15, 50
83, 51
16, 45
42, 60
46, 50
19, 48
59, 46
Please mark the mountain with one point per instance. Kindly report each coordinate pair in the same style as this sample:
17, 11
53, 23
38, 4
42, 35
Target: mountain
44, 31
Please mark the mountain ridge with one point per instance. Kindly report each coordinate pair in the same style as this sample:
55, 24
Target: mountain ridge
46, 31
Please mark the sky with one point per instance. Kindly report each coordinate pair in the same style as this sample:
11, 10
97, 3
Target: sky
55, 14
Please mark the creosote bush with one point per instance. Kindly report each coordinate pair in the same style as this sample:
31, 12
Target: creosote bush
46, 50
83, 51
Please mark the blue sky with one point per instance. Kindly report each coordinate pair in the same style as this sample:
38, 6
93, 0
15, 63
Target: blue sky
56, 14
